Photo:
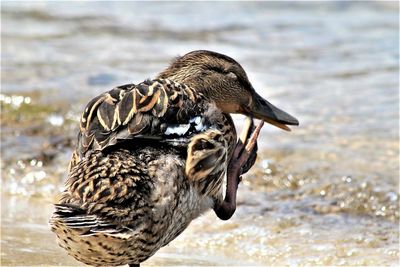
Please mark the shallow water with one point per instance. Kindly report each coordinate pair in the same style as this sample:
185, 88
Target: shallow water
326, 193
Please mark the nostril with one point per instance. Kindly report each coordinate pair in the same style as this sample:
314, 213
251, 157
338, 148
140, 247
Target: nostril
262, 102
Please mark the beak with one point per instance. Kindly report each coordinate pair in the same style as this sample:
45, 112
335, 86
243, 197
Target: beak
263, 110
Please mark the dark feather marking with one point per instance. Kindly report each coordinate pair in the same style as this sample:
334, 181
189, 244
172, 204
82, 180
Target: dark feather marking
88, 113
125, 107
105, 193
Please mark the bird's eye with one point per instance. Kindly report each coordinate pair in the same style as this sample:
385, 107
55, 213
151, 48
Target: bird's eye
232, 75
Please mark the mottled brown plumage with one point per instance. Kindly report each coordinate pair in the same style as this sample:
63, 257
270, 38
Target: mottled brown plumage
152, 157
132, 111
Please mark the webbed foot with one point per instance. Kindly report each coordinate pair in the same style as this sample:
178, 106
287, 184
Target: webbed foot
242, 160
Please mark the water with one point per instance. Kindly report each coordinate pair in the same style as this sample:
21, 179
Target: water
325, 194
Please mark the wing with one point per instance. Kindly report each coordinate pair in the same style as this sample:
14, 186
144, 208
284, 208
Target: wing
153, 109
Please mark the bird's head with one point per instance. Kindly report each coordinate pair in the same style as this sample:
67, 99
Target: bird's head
222, 80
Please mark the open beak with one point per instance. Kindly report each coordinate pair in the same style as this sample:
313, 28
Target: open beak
263, 110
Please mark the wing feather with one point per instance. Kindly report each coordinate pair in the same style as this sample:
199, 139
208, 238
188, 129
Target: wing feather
106, 115
132, 110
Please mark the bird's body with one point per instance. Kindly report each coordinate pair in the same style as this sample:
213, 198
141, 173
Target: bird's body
151, 158
164, 203
139, 190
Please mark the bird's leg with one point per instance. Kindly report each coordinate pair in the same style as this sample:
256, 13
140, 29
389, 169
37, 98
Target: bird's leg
134, 265
248, 129
245, 148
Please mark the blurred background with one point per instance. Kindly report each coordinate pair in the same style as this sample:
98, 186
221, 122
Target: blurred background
326, 193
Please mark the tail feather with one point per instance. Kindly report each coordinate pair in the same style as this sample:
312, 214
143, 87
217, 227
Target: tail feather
77, 218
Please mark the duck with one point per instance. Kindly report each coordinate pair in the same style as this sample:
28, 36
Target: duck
153, 156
